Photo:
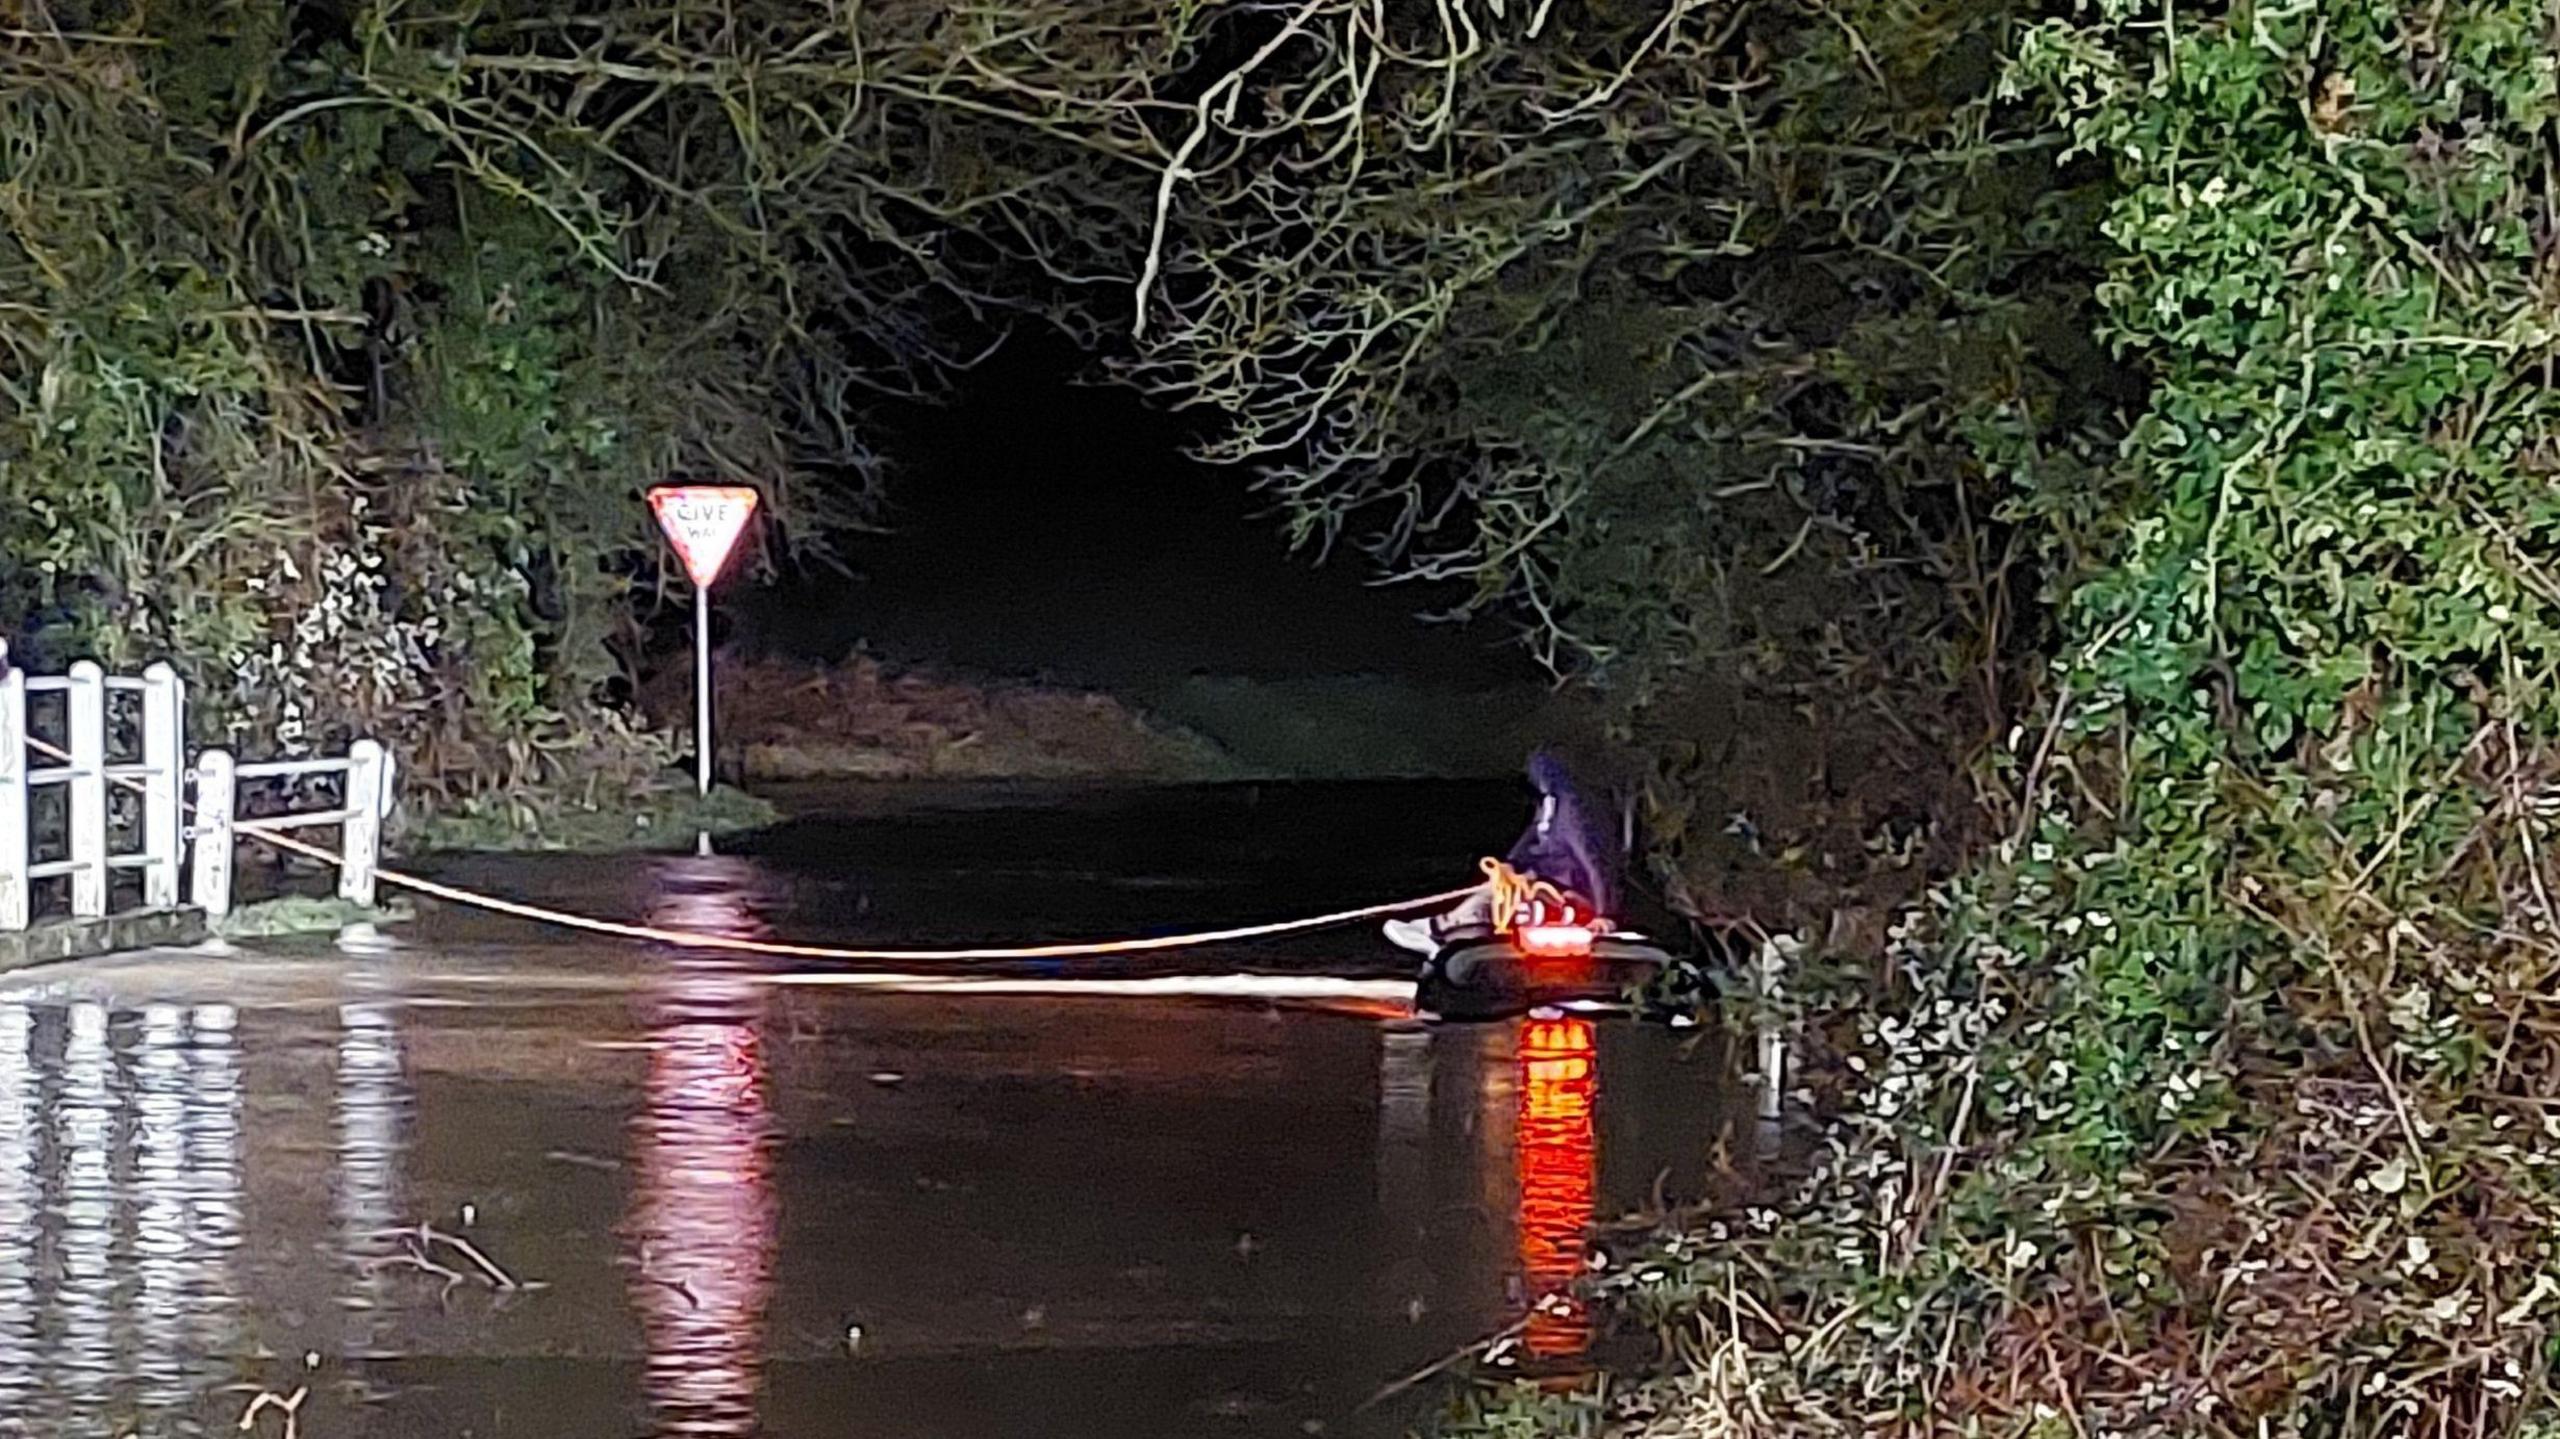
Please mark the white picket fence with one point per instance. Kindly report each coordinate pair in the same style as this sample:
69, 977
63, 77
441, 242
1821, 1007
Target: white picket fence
187, 812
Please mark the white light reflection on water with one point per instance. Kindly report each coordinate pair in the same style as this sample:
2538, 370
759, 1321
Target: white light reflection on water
212, 1127
702, 1228
119, 1213
162, 1250
21, 1206
81, 1328
372, 1102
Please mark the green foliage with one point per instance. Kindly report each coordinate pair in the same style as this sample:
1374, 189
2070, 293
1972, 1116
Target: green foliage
1700, 339
2215, 1098
655, 816
310, 386
296, 914
1684, 353
1760, 355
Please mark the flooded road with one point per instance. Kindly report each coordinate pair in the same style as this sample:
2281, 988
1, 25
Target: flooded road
730, 1206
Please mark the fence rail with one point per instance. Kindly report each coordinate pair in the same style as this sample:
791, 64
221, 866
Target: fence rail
367, 773
172, 855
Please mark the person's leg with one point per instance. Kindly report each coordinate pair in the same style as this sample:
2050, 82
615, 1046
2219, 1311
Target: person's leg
1423, 936
1475, 909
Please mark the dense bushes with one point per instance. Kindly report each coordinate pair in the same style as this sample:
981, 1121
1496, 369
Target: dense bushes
2135, 418
338, 380
2215, 1098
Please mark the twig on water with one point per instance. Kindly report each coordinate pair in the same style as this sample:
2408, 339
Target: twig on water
267, 1399
582, 1161
646, 1262
415, 1259
677, 1287
470, 1251
422, 1236
1456, 1356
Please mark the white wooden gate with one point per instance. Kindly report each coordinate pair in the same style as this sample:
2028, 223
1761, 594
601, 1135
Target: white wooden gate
69, 750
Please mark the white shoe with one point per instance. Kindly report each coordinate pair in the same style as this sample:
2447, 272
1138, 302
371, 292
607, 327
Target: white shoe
1413, 934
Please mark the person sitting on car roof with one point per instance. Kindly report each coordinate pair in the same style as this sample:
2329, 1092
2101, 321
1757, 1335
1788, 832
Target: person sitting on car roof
1567, 844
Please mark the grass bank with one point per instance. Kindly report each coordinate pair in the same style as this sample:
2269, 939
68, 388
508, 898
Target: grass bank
866, 719
786, 721
657, 814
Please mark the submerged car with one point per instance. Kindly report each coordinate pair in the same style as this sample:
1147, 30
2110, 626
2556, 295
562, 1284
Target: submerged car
1544, 959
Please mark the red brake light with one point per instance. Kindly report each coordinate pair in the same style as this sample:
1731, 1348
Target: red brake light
1554, 931
1553, 941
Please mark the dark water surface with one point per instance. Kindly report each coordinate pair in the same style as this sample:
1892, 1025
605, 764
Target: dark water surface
741, 1207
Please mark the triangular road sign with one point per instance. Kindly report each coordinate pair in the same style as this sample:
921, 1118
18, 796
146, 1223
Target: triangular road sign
703, 522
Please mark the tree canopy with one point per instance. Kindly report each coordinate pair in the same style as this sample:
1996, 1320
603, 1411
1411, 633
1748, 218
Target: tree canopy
2145, 411
1602, 306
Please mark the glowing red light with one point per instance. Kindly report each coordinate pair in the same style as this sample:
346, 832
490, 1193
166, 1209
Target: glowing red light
1553, 941
1559, 1178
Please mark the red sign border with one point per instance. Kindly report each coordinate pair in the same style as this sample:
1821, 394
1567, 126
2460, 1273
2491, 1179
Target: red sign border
660, 495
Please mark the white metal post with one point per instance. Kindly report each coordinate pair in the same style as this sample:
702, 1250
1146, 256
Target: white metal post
702, 689
1773, 1070
386, 804
217, 788
164, 748
361, 836
1769, 970
88, 789
13, 796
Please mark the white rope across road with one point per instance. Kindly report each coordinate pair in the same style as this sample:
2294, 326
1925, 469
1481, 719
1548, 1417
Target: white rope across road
695, 939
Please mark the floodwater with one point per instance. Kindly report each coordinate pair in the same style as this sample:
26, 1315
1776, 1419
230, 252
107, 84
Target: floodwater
697, 1201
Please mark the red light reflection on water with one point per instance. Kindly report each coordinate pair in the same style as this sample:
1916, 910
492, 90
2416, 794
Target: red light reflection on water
702, 1227
1559, 1178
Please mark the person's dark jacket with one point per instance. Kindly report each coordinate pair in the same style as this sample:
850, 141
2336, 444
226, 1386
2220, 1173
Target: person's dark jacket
1568, 844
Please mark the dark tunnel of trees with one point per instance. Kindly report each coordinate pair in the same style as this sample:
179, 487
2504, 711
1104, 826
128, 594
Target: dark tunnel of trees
2081, 476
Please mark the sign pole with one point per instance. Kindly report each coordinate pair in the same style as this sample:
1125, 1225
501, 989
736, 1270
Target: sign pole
702, 690
703, 522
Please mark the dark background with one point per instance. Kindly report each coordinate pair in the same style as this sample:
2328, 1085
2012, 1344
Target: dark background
1040, 527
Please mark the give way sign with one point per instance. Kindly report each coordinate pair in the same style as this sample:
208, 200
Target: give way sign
703, 522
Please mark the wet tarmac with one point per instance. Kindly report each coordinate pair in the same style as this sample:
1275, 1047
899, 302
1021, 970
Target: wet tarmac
665, 1195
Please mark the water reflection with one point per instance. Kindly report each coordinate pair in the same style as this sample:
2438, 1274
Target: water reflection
1558, 1159
372, 1107
702, 1229
119, 1212
1404, 1131
711, 894
159, 1086
21, 1206
85, 1216
212, 1127
1252, 1210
